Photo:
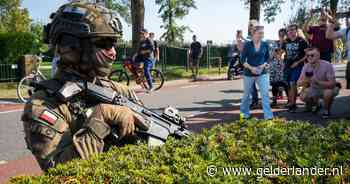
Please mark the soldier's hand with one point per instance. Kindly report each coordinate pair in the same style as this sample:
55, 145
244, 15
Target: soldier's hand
127, 126
120, 116
130, 123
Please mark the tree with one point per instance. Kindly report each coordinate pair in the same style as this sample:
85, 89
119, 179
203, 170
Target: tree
36, 28
13, 18
170, 10
271, 9
254, 10
137, 17
303, 10
122, 7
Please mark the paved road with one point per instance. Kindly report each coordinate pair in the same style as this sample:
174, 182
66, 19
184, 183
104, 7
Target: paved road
204, 103
191, 98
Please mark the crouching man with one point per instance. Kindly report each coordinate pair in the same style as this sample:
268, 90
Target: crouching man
318, 80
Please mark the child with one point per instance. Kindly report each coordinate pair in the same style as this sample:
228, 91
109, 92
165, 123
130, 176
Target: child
277, 75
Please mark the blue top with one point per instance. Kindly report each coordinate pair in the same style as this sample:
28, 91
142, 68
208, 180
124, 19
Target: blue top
253, 57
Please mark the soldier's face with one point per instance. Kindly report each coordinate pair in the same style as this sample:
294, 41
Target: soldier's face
106, 49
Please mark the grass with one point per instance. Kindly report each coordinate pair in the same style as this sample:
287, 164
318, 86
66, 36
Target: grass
179, 72
8, 90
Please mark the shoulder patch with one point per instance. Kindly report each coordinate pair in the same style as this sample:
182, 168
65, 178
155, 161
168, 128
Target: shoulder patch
48, 117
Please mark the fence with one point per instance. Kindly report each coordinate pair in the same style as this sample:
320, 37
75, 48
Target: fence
169, 56
213, 56
9, 72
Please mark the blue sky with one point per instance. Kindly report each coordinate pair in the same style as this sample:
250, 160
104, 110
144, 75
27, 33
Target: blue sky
210, 21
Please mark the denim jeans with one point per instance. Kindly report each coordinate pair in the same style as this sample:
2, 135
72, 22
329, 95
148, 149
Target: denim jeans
255, 96
263, 83
147, 66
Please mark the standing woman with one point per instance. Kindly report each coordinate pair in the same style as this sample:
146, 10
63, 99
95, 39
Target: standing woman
282, 36
255, 56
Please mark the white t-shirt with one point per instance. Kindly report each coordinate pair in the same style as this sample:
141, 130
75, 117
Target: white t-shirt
342, 32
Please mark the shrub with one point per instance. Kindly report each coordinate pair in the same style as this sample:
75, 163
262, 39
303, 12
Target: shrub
253, 144
14, 45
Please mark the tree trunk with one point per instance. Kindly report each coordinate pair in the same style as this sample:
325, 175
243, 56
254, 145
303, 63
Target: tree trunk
254, 8
137, 16
334, 5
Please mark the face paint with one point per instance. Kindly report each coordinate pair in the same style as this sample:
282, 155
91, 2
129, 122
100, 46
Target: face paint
99, 56
104, 55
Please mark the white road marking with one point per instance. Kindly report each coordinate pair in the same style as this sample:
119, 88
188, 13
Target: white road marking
3, 162
17, 110
8, 102
191, 86
195, 114
222, 82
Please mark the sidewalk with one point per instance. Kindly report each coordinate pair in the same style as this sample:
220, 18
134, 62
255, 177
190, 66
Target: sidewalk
340, 110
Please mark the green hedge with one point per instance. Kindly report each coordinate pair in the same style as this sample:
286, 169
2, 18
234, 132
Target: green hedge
14, 45
253, 144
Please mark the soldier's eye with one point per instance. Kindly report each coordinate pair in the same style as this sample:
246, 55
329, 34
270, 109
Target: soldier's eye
105, 43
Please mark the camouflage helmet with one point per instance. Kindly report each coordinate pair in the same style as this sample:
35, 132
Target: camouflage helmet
82, 20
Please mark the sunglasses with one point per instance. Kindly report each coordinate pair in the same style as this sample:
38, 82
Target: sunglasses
105, 43
310, 55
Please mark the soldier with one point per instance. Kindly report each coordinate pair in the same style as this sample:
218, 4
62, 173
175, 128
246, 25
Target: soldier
57, 131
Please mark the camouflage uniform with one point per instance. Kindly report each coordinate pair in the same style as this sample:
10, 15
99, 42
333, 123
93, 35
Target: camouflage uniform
58, 131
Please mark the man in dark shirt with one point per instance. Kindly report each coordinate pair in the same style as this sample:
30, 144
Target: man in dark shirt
294, 48
195, 56
156, 47
146, 56
317, 37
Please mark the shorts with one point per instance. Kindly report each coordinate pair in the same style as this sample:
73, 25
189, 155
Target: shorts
317, 93
293, 75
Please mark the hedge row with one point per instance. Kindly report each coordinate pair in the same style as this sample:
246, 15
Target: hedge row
14, 45
253, 144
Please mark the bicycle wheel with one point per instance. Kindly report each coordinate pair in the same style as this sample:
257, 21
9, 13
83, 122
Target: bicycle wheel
158, 79
24, 88
120, 76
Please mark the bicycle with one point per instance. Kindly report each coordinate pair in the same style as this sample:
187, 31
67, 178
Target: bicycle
25, 88
122, 76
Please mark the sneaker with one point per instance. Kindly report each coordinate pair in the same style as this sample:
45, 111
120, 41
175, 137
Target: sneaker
254, 105
326, 114
316, 108
308, 108
150, 90
292, 109
286, 106
274, 102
